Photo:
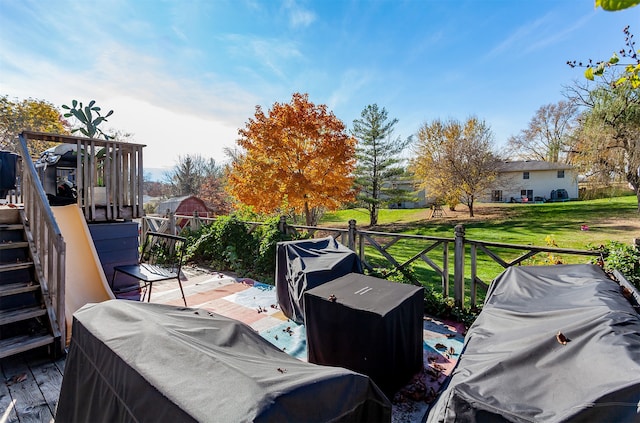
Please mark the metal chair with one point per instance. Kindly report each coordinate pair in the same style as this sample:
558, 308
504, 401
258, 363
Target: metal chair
160, 259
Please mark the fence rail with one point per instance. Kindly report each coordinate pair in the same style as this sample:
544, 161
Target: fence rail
393, 249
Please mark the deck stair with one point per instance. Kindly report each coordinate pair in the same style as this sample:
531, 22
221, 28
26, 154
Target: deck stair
26, 319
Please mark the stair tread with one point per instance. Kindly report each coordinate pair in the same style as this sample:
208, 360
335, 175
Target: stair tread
16, 315
17, 288
6, 267
21, 343
12, 245
11, 226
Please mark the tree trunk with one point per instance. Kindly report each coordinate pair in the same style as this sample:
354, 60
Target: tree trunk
633, 178
373, 215
307, 214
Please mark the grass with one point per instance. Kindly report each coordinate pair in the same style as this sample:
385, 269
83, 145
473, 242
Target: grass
526, 224
548, 224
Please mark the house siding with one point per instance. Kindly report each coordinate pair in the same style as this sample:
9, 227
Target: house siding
541, 182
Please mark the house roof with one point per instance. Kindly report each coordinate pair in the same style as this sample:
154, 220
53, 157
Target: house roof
173, 203
532, 165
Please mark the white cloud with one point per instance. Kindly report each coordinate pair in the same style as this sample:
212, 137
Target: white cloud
172, 115
168, 134
298, 16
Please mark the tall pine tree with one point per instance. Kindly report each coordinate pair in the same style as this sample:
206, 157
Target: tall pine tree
378, 166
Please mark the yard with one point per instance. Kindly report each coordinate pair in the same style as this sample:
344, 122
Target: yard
573, 225
607, 219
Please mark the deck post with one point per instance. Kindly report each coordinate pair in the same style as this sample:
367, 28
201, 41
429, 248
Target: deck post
172, 223
458, 267
353, 230
282, 225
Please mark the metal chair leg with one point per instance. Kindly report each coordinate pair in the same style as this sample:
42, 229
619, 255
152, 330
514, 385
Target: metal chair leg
181, 290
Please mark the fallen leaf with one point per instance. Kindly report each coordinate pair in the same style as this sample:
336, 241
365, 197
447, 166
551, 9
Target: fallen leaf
440, 346
18, 378
561, 338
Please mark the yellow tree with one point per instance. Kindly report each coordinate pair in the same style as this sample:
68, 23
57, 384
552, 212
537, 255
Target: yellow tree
297, 157
28, 115
455, 160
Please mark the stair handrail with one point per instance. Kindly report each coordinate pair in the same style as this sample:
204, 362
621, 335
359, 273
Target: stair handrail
47, 237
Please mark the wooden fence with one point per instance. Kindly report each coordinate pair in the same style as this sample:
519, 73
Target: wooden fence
402, 251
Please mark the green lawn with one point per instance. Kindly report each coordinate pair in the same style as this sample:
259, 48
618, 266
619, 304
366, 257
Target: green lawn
524, 224
608, 219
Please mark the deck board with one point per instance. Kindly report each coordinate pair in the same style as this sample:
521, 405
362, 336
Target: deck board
48, 377
28, 400
7, 404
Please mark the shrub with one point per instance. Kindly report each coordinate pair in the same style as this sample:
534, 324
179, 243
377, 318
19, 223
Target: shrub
269, 235
228, 244
435, 304
225, 244
622, 257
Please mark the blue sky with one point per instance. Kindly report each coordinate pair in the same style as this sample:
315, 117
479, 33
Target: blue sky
183, 75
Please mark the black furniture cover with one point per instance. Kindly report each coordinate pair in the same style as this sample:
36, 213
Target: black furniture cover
368, 325
305, 264
515, 367
141, 362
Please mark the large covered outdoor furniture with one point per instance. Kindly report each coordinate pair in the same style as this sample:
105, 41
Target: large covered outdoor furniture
368, 325
139, 362
304, 264
552, 344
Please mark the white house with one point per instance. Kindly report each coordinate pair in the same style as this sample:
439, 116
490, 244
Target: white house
531, 180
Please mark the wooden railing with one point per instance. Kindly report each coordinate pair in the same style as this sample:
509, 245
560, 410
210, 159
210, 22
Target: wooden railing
108, 176
49, 246
434, 252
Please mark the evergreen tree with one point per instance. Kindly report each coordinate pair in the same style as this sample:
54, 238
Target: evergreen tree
378, 167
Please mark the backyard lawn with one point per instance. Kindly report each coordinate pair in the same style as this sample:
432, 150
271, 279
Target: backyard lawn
572, 225
607, 219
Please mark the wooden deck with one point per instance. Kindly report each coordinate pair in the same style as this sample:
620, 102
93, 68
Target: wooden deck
30, 387
31, 381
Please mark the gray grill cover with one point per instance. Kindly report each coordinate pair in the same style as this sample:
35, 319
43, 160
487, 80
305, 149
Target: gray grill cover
303, 265
514, 369
140, 362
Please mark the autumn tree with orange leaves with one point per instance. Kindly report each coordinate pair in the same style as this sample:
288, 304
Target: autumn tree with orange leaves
296, 158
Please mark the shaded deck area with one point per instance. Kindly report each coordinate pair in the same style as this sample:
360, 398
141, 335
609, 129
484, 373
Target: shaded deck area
31, 381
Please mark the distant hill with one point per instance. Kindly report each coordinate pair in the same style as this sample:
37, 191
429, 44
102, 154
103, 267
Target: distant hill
155, 174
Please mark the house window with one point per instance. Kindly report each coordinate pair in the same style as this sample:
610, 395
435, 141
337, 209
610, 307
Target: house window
496, 195
525, 175
561, 174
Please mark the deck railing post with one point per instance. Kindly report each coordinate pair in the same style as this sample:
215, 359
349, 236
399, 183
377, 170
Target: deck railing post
353, 230
196, 222
282, 225
172, 222
458, 267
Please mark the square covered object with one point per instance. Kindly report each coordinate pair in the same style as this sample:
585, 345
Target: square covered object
368, 325
304, 264
141, 362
